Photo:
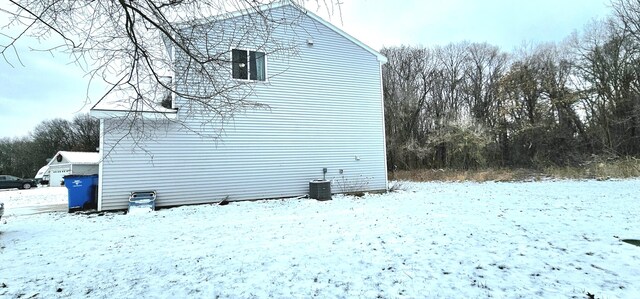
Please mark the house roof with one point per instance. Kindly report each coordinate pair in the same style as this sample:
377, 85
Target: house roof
77, 157
120, 107
312, 15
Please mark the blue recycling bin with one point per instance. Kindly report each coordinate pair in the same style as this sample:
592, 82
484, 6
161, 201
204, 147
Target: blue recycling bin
82, 191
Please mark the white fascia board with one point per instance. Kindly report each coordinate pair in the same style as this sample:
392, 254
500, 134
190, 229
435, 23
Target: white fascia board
100, 164
105, 114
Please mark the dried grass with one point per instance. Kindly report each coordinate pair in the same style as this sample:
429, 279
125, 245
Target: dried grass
466, 175
620, 168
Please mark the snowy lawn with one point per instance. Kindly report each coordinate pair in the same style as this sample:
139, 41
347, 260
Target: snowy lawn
14, 198
435, 240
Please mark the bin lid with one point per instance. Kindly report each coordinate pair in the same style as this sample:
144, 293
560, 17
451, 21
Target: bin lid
79, 176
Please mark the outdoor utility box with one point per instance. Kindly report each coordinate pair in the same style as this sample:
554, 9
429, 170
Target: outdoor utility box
320, 189
142, 201
83, 191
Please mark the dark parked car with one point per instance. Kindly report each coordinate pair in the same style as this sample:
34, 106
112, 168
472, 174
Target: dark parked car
9, 181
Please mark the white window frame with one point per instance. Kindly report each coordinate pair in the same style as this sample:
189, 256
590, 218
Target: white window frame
266, 65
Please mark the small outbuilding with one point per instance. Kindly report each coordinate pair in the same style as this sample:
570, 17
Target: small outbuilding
66, 163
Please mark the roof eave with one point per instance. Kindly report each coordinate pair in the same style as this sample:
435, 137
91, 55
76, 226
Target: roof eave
106, 114
381, 58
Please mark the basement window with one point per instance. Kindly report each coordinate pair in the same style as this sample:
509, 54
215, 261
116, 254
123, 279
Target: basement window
248, 65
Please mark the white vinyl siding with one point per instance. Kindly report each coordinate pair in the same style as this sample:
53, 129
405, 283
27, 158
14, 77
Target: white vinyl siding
325, 111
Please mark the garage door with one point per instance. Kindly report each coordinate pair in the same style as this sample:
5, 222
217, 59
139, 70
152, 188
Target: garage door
56, 175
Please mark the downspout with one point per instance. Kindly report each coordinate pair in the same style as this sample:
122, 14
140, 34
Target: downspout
384, 131
100, 164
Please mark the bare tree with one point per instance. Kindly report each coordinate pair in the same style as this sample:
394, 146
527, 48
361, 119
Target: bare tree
407, 79
129, 45
606, 61
627, 13
486, 67
447, 102
428, 95
18, 157
53, 135
86, 133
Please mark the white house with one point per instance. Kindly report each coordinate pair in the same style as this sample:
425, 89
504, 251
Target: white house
325, 112
65, 163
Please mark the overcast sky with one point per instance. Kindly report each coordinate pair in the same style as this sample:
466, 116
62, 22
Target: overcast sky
47, 87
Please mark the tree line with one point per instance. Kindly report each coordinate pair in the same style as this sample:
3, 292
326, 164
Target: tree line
463, 106
23, 156
471, 105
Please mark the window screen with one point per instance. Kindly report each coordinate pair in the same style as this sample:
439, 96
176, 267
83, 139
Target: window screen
256, 63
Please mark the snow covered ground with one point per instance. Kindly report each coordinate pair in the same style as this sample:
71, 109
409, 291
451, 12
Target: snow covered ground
14, 198
33, 201
434, 240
